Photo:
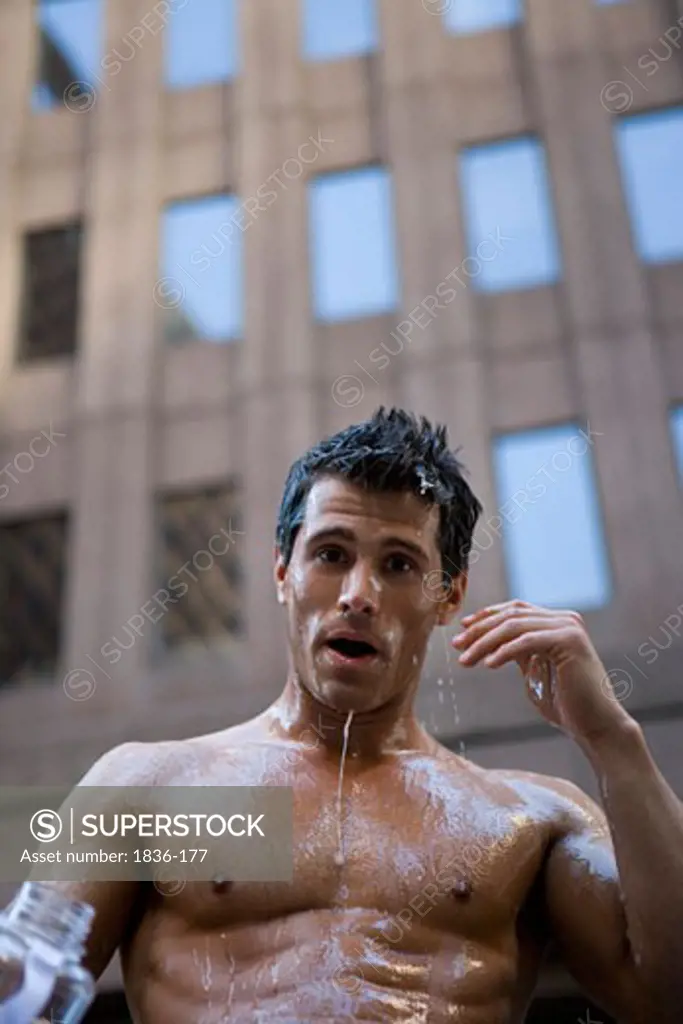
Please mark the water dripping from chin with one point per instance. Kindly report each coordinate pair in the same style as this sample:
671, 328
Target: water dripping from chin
339, 858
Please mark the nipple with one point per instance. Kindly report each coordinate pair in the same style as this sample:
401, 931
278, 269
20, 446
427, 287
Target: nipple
462, 890
339, 855
220, 885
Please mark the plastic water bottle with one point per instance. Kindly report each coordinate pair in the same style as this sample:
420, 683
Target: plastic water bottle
42, 942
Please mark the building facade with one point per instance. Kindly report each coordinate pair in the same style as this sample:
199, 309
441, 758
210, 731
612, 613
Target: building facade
212, 253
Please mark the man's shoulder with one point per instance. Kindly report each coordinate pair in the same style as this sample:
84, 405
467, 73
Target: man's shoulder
133, 763
165, 762
562, 799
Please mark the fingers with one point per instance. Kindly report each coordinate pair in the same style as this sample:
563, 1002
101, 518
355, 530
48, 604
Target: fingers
525, 646
514, 607
489, 618
482, 642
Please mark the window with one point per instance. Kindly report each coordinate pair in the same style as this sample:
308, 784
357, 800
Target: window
353, 245
465, 16
32, 568
676, 420
551, 521
202, 552
650, 148
200, 288
332, 30
69, 48
50, 307
201, 43
507, 202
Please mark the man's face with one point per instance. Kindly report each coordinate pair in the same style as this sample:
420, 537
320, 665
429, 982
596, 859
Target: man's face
357, 578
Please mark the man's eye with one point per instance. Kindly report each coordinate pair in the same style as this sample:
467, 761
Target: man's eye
399, 563
330, 554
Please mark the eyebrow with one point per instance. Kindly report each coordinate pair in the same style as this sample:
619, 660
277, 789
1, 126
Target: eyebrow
343, 533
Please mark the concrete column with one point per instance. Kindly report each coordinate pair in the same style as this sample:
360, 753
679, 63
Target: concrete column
440, 369
278, 360
112, 559
608, 317
16, 24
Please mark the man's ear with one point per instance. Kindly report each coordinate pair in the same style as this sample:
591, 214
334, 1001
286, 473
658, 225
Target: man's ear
279, 574
453, 599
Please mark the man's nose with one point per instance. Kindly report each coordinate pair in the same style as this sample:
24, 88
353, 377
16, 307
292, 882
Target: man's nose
360, 592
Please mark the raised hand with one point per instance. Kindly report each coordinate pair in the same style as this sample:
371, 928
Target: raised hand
566, 681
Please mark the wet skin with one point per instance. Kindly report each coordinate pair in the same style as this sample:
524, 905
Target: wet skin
436, 914
453, 879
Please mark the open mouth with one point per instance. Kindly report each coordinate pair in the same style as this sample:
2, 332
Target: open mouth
352, 649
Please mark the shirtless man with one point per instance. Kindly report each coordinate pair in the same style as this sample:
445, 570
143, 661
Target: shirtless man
428, 889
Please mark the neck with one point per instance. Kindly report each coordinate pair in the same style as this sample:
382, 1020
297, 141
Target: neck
297, 715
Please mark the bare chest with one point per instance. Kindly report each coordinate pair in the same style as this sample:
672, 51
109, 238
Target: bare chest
407, 843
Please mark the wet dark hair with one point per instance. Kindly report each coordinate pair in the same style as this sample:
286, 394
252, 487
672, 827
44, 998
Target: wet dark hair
391, 451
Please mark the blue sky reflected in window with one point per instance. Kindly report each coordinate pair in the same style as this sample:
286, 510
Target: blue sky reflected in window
465, 16
353, 245
650, 148
677, 438
70, 47
553, 533
506, 192
201, 43
332, 30
201, 269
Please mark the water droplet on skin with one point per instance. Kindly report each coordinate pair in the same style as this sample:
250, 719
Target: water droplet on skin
425, 485
540, 678
231, 991
536, 686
